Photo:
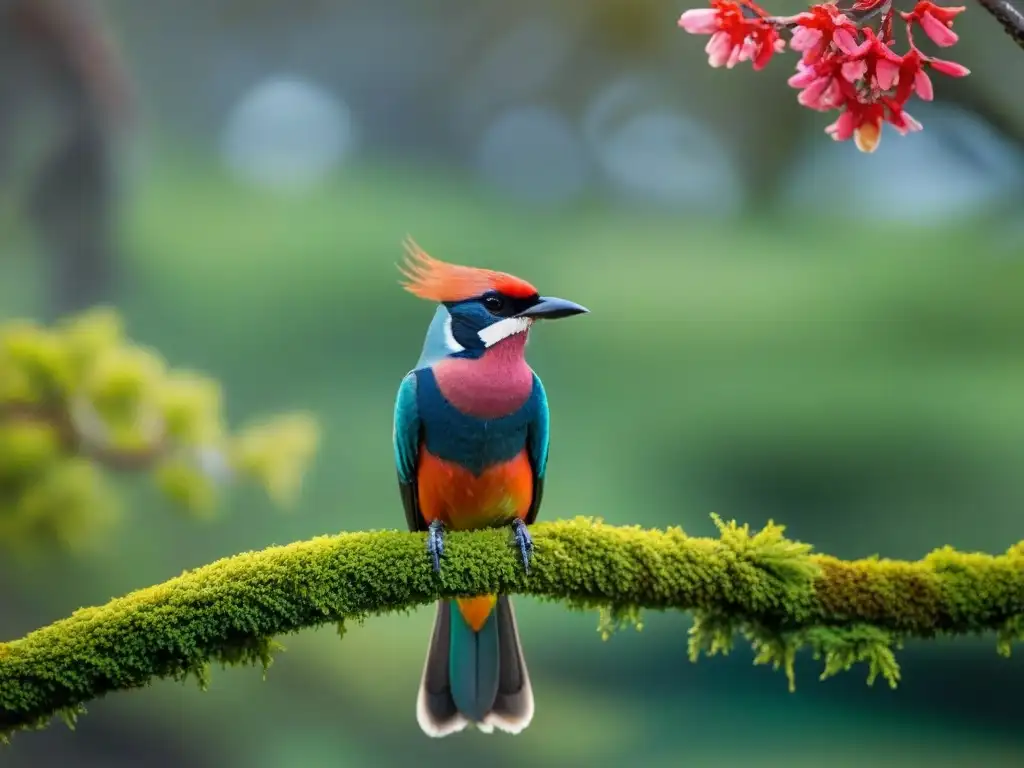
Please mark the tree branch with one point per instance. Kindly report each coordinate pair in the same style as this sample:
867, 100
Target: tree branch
1009, 16
1004, 11
761, 584
74, 440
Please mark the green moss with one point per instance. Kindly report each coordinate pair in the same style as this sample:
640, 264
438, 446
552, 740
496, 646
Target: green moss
78, 398
840, 648
612, 618
712, 633
1011, 632
757, 585
769, 549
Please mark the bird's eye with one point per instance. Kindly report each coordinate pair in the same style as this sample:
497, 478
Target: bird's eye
494, 303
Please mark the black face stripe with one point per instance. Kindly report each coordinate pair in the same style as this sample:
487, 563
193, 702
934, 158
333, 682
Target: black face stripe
511, 305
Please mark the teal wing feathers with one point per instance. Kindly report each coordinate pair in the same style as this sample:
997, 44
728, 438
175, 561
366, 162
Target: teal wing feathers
406, 437
537, 440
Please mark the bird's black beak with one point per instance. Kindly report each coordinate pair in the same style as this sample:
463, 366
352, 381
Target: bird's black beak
550, 308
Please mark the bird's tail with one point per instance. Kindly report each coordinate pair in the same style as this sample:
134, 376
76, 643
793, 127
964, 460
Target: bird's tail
475, 672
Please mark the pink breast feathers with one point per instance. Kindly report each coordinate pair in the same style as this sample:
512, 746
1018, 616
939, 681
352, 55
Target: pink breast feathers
494, 385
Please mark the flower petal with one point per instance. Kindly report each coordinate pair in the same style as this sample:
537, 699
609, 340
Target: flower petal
923, 86
854, 70
765, 48
805, 38
903, 122
842, 129
833, 95
811, 95
699, 21
845, 41
939, 33
950, 68
719, 49
749, 49
886, 74
736, 55
804, 76
942, 14
886, 52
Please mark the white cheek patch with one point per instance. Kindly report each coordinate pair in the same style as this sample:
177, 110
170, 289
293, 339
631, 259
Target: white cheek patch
502, 329
449, 337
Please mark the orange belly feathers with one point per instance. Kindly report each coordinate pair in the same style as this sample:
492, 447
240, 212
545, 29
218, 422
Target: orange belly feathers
464, 501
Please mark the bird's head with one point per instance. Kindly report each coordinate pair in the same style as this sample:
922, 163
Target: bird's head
480, 308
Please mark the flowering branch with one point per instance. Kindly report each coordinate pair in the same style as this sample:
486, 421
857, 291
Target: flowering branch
768, 588
847, 61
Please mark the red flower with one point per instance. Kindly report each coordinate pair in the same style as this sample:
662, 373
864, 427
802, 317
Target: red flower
822, 86
816, 29
844, 65
937, 22
913, 79
863, 122
868, 81
734, 37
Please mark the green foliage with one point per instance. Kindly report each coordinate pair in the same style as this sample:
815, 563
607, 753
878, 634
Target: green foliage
769, 589
78, 398
840, 647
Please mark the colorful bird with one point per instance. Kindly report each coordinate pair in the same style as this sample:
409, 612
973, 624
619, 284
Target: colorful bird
471, 444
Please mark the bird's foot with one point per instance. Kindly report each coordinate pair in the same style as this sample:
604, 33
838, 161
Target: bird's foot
435, 543
524, 542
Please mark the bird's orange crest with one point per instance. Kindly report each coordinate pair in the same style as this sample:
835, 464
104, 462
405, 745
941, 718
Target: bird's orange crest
436, 280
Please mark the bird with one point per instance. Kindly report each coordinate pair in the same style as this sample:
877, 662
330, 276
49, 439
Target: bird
471, 435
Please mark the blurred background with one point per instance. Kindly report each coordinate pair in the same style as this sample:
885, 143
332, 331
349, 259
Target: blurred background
781, 328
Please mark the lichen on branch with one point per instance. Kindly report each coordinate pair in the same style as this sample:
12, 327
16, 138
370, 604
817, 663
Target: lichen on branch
761, 585
78, 400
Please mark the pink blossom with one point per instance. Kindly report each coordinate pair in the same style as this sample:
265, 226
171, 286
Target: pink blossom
805, 38
699, 21
735, 37
936, 21
722, 51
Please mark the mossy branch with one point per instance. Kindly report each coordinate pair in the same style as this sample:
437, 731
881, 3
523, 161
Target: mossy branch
762, 585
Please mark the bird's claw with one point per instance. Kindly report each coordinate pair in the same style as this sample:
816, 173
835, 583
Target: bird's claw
524, 542
435, 543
